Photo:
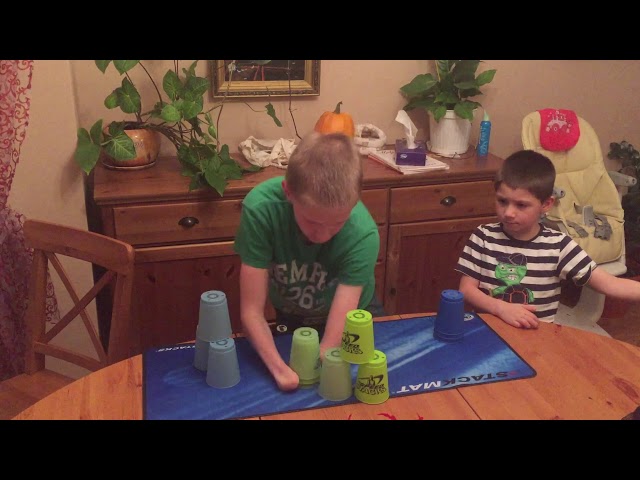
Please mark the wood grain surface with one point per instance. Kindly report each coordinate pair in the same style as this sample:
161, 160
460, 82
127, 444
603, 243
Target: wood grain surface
580, 375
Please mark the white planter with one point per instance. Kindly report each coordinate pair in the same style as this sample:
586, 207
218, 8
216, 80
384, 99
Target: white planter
449, 136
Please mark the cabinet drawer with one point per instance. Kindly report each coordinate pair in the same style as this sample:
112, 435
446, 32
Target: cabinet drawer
156, 224
376, 203
434, 202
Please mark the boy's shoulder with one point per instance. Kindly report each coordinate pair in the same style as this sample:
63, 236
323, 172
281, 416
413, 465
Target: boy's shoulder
490, 227
496, 227
362, 214
552, 232
268, 190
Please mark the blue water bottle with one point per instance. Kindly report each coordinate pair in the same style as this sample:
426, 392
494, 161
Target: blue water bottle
485, 134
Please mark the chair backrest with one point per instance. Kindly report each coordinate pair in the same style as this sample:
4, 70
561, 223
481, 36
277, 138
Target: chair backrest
116, 259
582, 176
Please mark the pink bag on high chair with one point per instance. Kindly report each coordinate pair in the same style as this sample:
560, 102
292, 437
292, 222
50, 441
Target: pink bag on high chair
559, 129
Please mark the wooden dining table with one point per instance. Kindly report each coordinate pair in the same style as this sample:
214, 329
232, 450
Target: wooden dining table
579, 375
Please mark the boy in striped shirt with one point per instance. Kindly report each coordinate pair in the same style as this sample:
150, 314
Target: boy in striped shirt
513, 268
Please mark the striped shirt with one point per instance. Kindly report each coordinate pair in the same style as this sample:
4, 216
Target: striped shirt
520, 271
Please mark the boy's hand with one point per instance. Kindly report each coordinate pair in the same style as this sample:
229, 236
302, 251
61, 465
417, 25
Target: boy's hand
287, 380
323, 350
518, 315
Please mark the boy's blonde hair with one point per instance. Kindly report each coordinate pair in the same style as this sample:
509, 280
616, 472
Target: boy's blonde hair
325, 170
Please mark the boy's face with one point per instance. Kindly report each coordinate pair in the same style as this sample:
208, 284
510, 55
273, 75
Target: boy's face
318, 224
520, 211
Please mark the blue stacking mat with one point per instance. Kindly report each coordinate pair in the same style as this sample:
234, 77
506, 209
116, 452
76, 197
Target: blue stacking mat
417, 363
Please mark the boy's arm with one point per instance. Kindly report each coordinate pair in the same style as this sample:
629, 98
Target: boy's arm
345, 299
614, 287
253, 297
515, 314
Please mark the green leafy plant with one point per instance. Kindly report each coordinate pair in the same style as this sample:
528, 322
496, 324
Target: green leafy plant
629, 159
628, 156
178, 115
455, 83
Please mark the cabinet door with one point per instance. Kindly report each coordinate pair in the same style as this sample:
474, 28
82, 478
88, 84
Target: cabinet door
420, 262
168, 284
376, 202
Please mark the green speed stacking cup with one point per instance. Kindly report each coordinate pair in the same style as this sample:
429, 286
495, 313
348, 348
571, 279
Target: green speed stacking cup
223, 370
213, 321
372, 381
357, 337
335, 377
305, 355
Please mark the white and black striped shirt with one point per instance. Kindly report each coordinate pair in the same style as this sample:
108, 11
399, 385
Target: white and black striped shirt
533, 268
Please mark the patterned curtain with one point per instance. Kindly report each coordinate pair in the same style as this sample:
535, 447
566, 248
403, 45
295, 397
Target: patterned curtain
15, 256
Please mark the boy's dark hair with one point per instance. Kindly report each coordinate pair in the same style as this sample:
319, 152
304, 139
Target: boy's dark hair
529, 170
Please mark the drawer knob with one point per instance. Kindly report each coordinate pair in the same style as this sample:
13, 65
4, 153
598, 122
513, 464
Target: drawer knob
188, 222
448, 201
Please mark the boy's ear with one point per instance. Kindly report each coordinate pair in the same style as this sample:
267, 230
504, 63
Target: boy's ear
287, 192
548, 203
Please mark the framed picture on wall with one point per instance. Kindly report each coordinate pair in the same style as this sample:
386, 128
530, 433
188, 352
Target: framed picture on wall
262, 78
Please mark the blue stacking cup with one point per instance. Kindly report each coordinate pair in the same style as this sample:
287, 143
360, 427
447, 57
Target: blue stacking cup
449, 322
223, 370
201, 355
213, 321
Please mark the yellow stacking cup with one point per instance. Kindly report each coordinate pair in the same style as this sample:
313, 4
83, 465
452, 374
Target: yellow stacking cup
357, 337
372, 380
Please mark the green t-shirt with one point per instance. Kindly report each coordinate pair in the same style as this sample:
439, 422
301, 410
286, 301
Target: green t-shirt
303, 277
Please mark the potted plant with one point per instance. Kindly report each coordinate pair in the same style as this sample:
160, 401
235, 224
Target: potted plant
447, 99
629, 159
178, 115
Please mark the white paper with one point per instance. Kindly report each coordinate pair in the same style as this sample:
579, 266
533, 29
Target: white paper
388, 157
410, 129
267, 152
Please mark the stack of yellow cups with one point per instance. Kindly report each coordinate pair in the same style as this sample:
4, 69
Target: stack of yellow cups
372, 381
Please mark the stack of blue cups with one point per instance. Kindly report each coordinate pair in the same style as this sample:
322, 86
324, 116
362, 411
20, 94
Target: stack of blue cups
215, 350
449, 322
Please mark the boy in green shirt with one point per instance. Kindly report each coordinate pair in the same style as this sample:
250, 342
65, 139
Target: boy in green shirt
309, 243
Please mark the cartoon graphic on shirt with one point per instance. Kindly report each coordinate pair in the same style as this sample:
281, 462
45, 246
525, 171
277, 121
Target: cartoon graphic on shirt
510, 271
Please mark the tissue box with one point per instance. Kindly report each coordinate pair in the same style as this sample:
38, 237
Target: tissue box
411, 156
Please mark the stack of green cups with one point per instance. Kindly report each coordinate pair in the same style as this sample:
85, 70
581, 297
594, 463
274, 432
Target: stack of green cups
305, 355
372, 381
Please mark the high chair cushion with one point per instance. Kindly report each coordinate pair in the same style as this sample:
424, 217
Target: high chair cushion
582, 175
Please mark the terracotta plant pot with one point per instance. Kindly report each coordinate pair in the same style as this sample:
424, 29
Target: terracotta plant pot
147, 143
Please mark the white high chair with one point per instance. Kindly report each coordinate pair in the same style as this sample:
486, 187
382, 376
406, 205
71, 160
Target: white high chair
587, 200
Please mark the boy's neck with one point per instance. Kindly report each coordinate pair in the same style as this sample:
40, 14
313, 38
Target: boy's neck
528, 236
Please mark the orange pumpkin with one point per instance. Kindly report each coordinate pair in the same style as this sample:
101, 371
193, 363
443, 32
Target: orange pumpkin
335, 121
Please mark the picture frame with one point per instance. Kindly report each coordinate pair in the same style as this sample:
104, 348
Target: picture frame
253, 78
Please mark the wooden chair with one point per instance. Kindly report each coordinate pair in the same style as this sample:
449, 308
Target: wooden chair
116, 259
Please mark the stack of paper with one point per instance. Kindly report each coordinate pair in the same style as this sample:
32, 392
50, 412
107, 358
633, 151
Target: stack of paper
388, 158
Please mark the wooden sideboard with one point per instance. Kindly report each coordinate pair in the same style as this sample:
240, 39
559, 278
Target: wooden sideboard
184, 240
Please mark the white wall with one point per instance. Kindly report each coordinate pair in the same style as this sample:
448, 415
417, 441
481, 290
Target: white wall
67, 93
49, 186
